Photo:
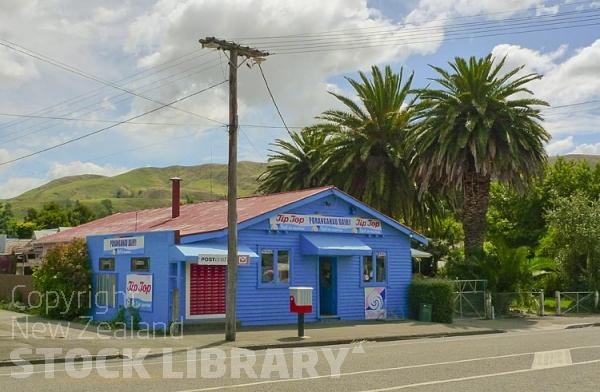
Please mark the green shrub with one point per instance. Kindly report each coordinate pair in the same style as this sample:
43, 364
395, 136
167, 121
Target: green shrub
63, 280
437, 292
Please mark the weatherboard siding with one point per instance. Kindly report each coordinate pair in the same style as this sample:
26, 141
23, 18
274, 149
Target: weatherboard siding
259, 304
156, 247
268, 303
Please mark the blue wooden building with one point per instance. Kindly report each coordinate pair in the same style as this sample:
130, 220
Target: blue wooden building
171, 262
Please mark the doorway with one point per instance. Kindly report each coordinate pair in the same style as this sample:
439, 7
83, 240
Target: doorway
327, 286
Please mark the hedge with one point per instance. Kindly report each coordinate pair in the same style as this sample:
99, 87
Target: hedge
437, 292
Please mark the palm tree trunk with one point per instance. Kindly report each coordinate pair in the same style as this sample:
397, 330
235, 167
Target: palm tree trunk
476, 193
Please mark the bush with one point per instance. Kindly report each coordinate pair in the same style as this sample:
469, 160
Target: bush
437, 292
63, 280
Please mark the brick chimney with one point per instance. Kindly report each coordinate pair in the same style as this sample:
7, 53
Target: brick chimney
175, 195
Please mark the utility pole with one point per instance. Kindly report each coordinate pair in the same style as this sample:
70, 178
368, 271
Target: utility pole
235, 50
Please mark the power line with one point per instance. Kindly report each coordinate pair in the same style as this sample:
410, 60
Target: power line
574, 4
110, 126
359, 32
435, 40
130, 78
93, 104
273, 98
66, 67
563, 20
571, 105
76, 119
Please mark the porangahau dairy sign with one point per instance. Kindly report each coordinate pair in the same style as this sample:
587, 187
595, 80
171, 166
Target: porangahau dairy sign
124, 245
321, 223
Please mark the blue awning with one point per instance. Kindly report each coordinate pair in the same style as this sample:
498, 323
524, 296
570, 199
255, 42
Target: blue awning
333, 245
193, 251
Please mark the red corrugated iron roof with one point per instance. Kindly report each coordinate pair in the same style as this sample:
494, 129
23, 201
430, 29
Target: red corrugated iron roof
194, 218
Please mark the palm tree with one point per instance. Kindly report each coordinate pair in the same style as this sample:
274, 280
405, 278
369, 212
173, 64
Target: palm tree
295, 166
361, 150
471, 132
365, 145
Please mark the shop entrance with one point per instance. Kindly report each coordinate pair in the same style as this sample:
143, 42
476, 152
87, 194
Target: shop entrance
327, 286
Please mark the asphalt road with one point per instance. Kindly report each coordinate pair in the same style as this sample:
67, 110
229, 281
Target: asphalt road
557, 360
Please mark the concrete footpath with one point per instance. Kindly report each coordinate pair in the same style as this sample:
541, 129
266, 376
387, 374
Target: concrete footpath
33, 334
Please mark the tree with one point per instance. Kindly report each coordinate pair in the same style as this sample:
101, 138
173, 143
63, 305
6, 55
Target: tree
361, 150
80, 214
7, 219
64, 280
517, 218
25, 230
365, 144
574, 240
470, 131
52, 215
107, 206
296, 164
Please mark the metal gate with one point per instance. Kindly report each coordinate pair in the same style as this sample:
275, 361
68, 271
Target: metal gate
469, 298
576, 302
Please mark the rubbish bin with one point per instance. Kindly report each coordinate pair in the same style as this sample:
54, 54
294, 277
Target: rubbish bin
425, 312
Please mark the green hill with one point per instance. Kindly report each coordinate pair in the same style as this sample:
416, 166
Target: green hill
592, 160
141, 188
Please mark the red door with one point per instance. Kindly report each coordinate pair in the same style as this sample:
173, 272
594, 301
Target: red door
207, 289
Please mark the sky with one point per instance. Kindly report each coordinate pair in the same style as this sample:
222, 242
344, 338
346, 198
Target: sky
104, 87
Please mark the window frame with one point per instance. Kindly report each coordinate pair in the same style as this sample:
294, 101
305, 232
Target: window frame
111, 259
147, 268
373, 273
276, 281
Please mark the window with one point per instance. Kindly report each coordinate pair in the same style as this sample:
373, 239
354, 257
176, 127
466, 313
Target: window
367, 268
140, 264
374, 268
105, 289
380, 267
275, 266
267, 267
283, 266
106, 264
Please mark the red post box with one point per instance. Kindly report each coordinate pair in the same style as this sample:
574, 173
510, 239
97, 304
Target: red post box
301, 299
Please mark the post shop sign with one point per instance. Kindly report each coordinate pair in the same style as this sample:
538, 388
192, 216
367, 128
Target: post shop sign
221, 259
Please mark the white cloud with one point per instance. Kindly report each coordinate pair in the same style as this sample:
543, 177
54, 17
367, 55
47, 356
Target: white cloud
172, 28
15, 68
568, 78
58, 170
576, 79
546, 10
533, 60
17, 185
590, 149
428, 10
560, 146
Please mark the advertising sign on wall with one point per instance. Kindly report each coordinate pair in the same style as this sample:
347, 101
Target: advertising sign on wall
375, 303
330, 224
124, 245
139, 291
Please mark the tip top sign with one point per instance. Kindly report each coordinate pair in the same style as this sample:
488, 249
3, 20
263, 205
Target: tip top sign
321, 223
